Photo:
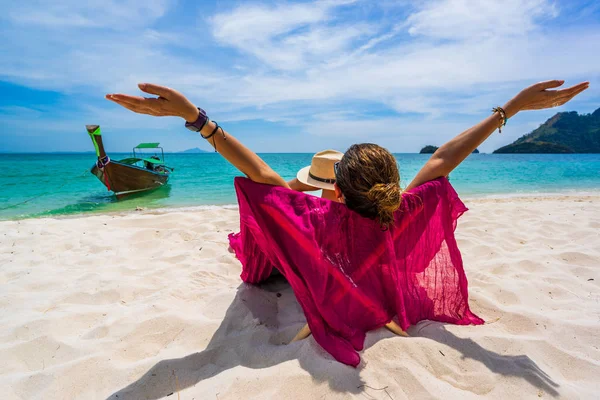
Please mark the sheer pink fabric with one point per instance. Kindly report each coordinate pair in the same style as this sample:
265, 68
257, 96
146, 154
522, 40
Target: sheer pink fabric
348, 274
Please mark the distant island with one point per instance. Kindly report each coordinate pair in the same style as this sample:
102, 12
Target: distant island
565, 132
195, 150
429, 149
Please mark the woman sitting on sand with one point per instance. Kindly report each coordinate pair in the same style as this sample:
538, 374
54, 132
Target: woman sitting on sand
320, 174
353, 274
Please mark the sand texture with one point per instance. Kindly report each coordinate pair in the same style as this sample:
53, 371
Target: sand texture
150, 305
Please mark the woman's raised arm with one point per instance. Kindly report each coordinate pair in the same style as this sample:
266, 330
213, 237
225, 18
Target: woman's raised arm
172, 103
451, 154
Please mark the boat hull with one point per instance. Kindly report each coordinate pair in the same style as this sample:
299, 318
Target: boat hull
125, 180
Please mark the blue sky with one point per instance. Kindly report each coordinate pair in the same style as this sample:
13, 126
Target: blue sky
288, 76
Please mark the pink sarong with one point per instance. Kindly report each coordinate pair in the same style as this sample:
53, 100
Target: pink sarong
348, 274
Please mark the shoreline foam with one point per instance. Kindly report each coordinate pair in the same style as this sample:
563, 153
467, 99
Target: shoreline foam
525, 196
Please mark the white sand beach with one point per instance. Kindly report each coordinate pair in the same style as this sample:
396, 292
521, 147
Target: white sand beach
149, 305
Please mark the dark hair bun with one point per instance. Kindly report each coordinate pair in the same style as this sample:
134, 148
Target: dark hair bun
369, 179
387, 199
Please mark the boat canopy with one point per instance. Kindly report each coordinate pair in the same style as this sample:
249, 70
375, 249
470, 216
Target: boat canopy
147, 146
145, 157
133, 160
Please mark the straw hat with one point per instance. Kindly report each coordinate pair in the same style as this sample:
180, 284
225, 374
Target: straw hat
320, 172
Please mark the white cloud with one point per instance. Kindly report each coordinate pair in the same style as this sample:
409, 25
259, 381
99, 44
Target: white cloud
423, 75
245, 24
427, 78
286, 36
444, 61
114, 14
468, 19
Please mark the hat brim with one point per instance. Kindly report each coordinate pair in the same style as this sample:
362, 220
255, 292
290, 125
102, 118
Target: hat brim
303, 177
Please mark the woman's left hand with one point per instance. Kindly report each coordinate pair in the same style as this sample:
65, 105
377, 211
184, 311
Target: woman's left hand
169, 103
539, 97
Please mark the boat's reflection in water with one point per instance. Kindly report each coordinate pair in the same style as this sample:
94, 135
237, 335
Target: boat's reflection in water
106, 202
148, 196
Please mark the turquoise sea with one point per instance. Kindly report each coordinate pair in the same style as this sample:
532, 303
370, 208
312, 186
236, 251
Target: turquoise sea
60, 184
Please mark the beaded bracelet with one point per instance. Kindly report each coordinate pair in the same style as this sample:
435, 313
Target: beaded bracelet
502, 113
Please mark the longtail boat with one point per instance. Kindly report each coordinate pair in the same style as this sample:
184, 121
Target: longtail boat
130, 175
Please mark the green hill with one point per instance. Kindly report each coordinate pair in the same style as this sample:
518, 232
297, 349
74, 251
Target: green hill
565, 132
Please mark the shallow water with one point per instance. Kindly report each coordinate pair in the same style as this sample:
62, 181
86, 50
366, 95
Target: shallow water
60, 184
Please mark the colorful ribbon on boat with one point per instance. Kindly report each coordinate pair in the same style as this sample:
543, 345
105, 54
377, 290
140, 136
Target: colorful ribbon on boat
101, 164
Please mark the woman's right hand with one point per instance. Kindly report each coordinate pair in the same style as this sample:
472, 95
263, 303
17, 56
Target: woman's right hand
169, 102
538, 97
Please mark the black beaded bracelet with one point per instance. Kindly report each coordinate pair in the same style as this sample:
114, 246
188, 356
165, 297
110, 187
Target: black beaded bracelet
213, 132
217, 127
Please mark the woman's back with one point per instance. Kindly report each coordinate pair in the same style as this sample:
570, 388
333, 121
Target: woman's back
350, 275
